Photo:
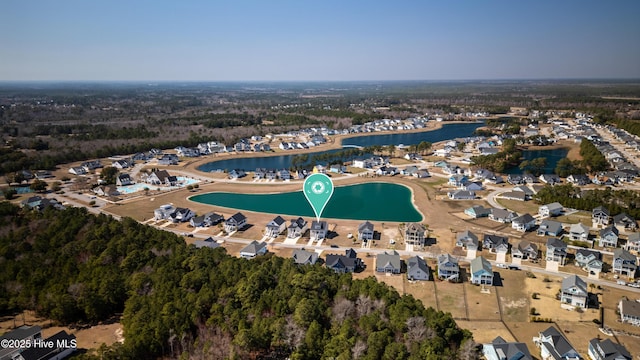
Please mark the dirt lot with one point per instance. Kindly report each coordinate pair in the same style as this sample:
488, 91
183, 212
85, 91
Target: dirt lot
451, 299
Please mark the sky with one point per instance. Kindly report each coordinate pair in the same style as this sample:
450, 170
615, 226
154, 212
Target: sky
318, 40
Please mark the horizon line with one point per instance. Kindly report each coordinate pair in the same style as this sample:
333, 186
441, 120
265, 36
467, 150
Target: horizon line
329, 81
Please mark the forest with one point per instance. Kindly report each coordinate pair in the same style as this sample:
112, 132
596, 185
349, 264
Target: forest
616, 201
177, 301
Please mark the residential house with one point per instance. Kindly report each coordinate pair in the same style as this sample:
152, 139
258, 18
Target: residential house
389, 262
409, 170
589, 261
297, 228
477, 211
208, 242
468, 240
181, 215
515, 179
550, 179
91, 165
448, 268
168, 159
421, 174
461, 195
514, 195
77, 170
579, 232
318, 230
284, 175
303, 257
365, 231
414, 234
600, 216
163, 212
554, 346
578, 179
56, 347
234, 223
608, 236
471, 186
549, 228
500, 349
457, 180
525, 250
625, 222
208, 219
349, 262
629, 312
124, 180
633, 243
275, 227
417, 269
254, 249
236, 174
528, 191
496, 243
556, 250
574, 292
106, 190
161, 177
22, 334
553, 209
502, 215
607, 350
624, 263
39, 203
523, 223
121, 164
481, 272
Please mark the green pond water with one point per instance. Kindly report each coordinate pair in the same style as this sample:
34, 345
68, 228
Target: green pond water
371, 201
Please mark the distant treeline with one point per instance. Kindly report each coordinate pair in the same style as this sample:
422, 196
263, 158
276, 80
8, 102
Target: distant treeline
12, 160
181, 302
88, 132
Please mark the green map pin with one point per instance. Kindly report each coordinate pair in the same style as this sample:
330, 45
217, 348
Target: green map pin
318, 189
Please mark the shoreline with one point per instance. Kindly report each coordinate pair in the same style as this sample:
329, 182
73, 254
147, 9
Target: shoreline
406, 186
335, 142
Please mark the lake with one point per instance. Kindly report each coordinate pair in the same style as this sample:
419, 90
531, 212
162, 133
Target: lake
447, 132
552, 155
374, 201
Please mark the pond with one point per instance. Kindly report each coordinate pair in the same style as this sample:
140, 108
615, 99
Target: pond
374, 201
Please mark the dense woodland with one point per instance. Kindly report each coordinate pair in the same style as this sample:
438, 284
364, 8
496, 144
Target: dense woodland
616, 201
176, 300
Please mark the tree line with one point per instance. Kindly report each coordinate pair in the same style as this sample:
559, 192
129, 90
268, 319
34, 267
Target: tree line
616, 201
179, 301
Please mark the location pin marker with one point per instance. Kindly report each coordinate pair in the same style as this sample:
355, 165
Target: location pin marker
318, 189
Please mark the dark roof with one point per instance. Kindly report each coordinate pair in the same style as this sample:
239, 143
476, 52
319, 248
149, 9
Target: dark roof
43, 352
237, 217
277, 221
318, 225
365, 226
559, 343
496, 240
601, 209
586, 253
610, 349
526, 218
390, 258
556, 243
22, 332
417, 262
511, 350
